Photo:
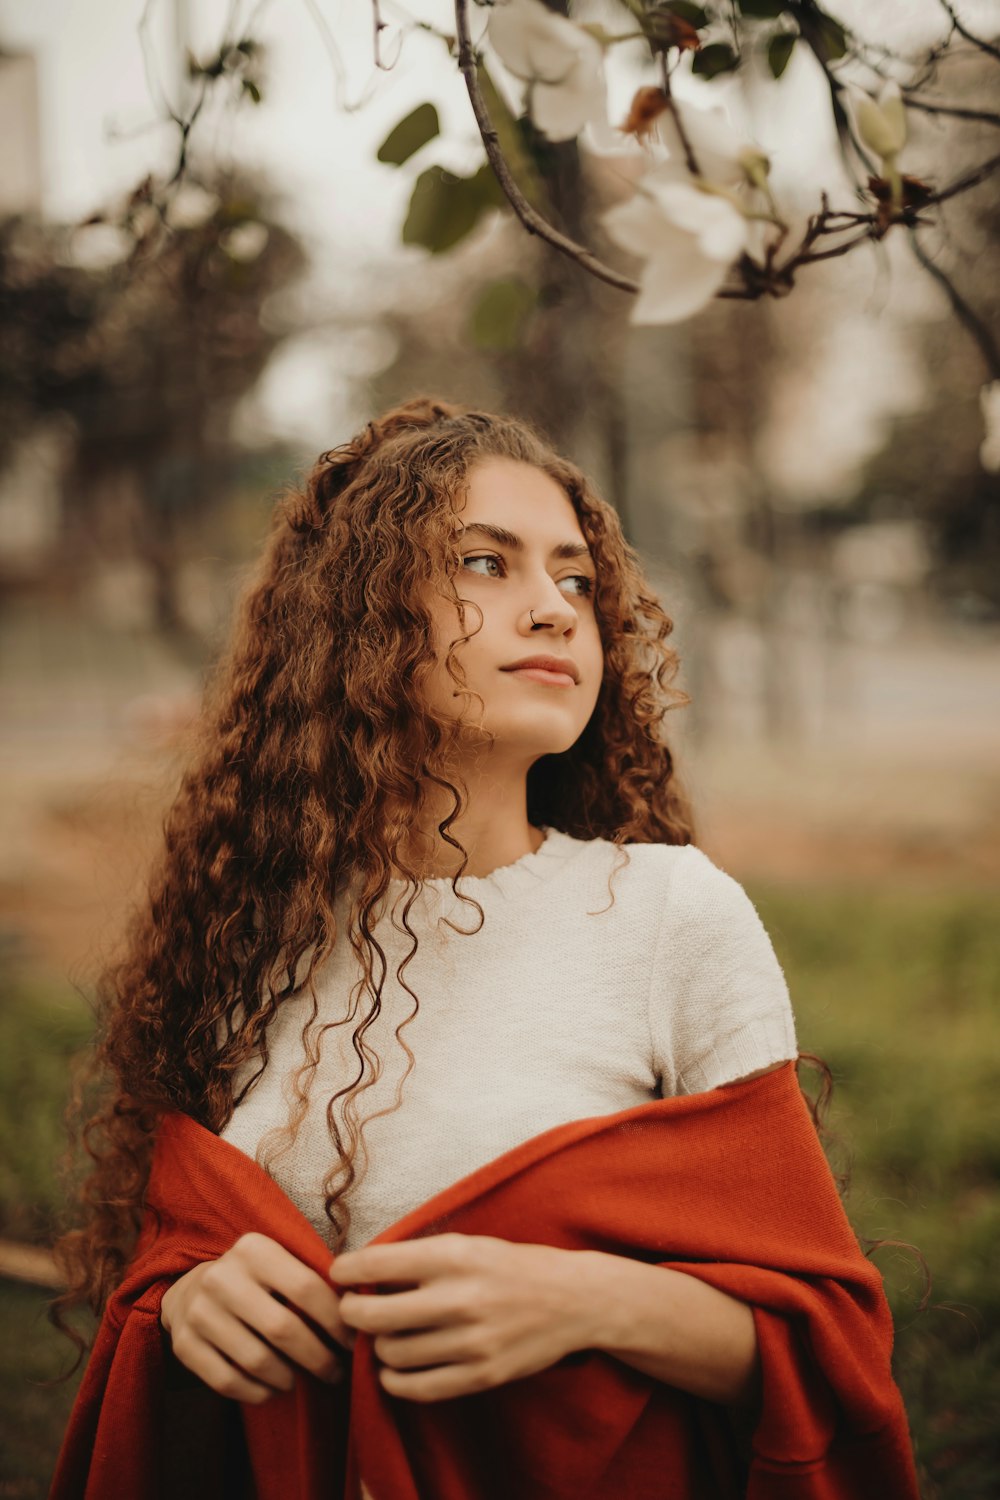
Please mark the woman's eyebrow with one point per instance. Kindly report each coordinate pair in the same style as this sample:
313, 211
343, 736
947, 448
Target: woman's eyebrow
508, 539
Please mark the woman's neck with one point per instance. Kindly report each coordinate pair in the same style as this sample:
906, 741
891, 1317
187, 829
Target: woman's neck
493, 828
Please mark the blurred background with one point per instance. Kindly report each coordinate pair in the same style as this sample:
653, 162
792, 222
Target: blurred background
801, 478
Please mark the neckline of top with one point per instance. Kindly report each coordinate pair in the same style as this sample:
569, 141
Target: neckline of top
537, 865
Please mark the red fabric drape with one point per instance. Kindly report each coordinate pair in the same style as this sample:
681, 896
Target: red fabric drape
730, 1186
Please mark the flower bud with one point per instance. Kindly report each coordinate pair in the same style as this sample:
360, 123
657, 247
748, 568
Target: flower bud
882, 124
756, 165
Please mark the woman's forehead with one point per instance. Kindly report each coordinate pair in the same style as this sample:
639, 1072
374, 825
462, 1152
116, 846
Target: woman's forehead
508, 493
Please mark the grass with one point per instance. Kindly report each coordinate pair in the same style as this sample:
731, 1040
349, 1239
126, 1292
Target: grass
35, 1409
41, 1029
897, 990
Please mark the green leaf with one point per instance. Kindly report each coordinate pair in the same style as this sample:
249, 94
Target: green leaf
829, 37
764, 10
779, 51
716, 58
491, 194
419, 127
444, 208
696, 15
500, 312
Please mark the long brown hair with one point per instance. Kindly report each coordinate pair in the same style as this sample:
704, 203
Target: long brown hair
313, 754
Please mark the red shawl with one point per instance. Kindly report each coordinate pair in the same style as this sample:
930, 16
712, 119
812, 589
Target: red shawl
730, 1186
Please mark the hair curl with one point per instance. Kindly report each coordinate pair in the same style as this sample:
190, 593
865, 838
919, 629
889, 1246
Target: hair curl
312, 755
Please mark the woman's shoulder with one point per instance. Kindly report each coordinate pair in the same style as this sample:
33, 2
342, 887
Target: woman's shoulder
677, 893
682, 874
720, 1006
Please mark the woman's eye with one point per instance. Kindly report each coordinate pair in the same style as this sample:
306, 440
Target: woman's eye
486, 558
586, 583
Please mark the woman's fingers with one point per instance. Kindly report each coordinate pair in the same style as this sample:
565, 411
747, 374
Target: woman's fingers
222, 1377
244, 1321
415, 1351
272, 1266
285, 1331
425, 1307
240, 1345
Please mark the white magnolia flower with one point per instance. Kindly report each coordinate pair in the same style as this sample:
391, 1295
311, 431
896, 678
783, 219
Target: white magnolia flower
722, 155
880, 123
561, 63
989, 452
688, 238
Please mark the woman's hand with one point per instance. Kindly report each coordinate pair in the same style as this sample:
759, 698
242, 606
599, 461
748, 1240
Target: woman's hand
477, 1311
229, 1322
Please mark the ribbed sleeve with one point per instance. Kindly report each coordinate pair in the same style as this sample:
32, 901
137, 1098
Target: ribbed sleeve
719, 1006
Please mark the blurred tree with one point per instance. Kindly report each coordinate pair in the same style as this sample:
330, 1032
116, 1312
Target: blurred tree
929, 466
144, 329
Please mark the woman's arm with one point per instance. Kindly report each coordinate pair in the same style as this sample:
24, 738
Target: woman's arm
479, 1311
673, 1327
676, 1328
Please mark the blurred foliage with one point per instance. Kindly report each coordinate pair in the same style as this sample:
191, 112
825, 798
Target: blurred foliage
500, 312
162, 341
896, 990
35, 1408
41, 1030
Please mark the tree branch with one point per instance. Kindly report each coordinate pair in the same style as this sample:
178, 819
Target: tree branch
529, 217
962, 184
969, 319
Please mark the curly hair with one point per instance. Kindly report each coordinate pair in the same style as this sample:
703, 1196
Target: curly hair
313, 753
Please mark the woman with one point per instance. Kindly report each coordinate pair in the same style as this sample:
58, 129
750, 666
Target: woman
429, 900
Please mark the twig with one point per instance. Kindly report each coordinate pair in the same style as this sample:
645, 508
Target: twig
977, 41
336, 60
969, 319
152, 77
686, 147
378, 26
962, 184
529, 217
952, 110
186, 126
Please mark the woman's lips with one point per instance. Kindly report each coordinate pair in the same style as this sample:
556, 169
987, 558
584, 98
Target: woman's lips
540, 674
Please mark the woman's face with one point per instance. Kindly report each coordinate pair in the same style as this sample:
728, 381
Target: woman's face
527, 572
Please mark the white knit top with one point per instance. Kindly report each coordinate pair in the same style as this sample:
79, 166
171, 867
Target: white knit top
570, 1002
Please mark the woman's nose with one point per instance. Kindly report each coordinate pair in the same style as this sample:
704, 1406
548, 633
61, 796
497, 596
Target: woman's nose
552, 608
